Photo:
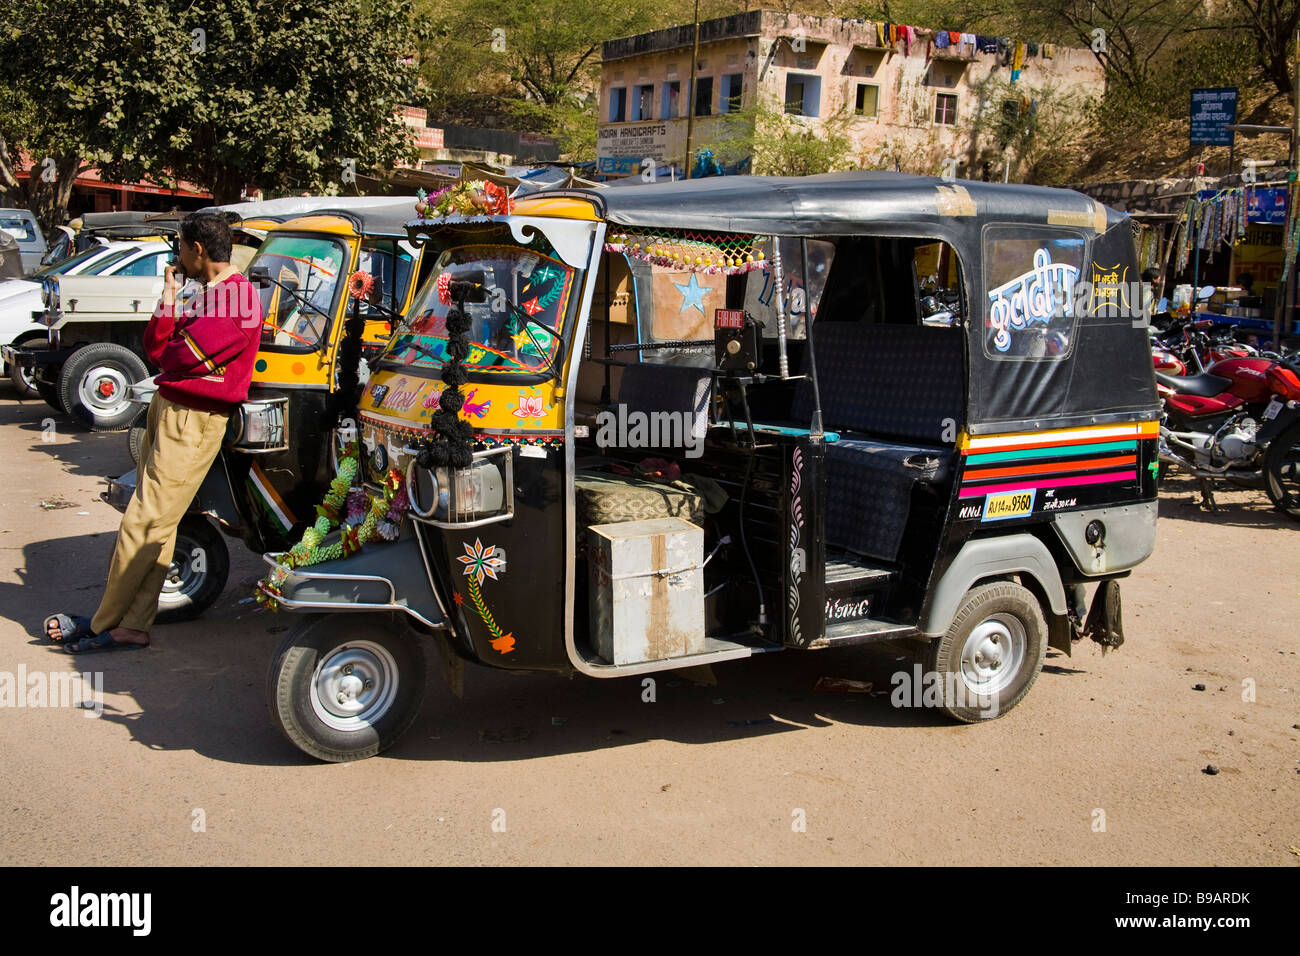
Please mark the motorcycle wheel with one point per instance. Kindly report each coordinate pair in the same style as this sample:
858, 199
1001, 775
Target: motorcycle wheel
1282, 472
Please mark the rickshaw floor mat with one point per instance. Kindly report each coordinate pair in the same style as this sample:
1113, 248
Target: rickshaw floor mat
608, 499
869, 492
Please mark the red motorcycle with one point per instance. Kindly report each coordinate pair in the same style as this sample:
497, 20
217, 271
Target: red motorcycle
1240, 421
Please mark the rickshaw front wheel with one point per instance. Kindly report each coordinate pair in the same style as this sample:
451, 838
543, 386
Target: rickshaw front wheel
990, 656
346, 686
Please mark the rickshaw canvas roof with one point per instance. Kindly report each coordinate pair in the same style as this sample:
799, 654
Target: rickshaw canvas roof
841, 204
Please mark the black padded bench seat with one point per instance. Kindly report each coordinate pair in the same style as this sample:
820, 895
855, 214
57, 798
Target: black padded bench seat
894, 393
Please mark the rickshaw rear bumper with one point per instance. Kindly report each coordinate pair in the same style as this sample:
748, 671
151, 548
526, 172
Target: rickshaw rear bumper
384, 577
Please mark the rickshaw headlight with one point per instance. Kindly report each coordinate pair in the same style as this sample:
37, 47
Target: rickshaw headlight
263, 426
457, 495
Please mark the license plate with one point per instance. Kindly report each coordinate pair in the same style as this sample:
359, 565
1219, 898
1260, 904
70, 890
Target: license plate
1274, 407
1013, 504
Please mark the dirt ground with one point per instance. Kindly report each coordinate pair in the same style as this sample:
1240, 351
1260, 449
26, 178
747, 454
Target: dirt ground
1101, 764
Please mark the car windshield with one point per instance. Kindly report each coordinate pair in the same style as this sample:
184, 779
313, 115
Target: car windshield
525, 287
105, 265
64, 265
20, 229
300, 303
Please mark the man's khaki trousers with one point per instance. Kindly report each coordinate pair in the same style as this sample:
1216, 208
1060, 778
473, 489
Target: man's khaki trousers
178, 449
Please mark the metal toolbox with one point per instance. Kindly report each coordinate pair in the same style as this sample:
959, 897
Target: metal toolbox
647, 589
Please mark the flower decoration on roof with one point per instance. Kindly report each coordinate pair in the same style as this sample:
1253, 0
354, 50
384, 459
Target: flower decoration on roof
477, 198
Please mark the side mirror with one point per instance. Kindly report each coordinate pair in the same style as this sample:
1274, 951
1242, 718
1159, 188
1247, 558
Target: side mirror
259, 274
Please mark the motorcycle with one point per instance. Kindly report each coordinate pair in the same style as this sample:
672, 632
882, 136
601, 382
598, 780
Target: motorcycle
1238, 421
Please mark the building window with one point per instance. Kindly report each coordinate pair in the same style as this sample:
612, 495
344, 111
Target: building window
618, 104
670, 93
945, 109
803, 94
730, 93
703, 95
643, 102
868, 101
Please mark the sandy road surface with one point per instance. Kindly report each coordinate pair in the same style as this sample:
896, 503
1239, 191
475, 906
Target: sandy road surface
682, 780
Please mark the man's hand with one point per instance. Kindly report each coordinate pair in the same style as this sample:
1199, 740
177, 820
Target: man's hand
172, 283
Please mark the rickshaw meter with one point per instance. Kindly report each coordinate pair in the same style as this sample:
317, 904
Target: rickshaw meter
735, 340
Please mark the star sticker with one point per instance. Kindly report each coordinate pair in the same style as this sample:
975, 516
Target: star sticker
460, 601
692, 295
532, 307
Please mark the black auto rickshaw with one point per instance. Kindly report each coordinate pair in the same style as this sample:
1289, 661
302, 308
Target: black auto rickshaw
276, 460
631, 430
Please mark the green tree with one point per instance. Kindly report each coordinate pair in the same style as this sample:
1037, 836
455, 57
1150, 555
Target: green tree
781, 144
293, 95
99, 101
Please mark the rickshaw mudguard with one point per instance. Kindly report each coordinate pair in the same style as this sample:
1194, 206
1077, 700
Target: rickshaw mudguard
383, 577
1128, 536
984, 558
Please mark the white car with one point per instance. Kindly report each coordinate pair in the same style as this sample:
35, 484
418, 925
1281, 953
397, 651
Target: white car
20, 299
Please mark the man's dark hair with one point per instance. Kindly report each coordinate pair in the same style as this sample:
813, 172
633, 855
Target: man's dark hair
210, 231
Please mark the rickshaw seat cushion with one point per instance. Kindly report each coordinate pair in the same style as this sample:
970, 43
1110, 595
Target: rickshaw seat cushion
890, 381
869, 491
607, 499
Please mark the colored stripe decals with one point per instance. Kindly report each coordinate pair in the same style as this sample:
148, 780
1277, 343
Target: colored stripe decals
270, 499
1060, 458
1052, 483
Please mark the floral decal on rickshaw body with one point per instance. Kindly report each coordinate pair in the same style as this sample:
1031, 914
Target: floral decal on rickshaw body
480, 563
531, 408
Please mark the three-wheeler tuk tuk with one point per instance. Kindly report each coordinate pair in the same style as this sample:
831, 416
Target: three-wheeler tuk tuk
276, 459
623, 431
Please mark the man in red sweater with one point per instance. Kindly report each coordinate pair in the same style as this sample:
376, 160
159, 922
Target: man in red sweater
206, 356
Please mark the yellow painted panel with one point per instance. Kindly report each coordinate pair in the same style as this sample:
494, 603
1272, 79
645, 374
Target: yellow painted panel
561, 207
412, 399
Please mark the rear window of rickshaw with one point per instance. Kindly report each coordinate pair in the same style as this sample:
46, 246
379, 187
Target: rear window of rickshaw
299, 305
524, 289
1030, 281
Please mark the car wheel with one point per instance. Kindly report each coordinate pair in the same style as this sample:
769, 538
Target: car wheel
24, 381
199, 569
991, 654
95, 382
343, 687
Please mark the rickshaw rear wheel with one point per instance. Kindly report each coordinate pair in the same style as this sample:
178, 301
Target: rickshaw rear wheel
992, 653
346, 686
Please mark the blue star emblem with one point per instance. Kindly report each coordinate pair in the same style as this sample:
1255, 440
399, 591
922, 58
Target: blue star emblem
692, 295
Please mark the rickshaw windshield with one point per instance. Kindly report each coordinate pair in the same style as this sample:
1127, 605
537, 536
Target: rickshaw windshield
299, 305
527, 293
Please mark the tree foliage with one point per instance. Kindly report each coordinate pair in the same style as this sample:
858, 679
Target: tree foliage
781, 144
224, 93
98, 101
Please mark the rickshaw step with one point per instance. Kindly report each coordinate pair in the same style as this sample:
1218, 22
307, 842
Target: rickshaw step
848, 574
861, 632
